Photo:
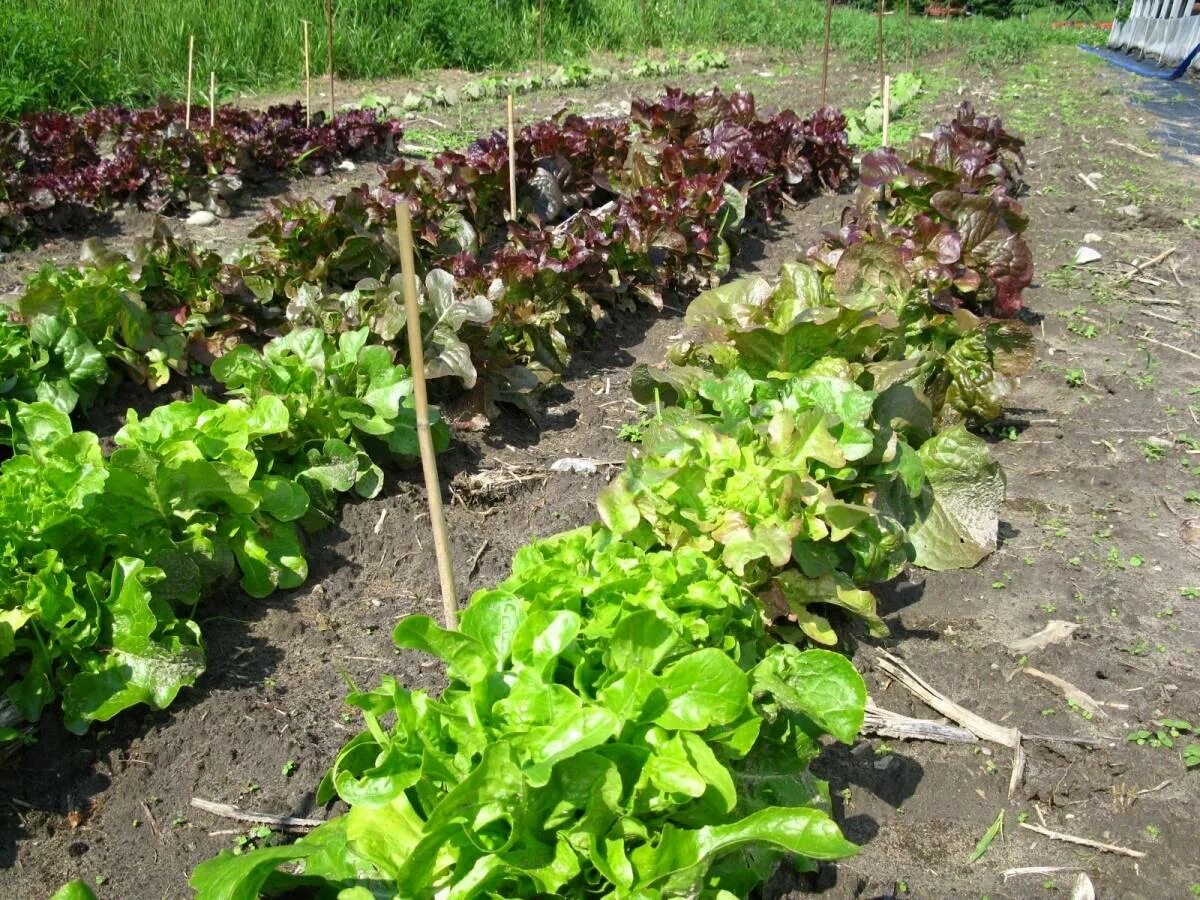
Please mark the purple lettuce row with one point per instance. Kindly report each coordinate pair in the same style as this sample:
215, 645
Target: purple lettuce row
570, 164
949, 211
774, 159
61, 171
610, 214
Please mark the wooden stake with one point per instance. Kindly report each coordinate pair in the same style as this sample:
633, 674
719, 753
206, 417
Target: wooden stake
329, 50
825, 51
512, 164
907, 41
212, 99
887, 107
880, 17
541, 36
187, 112
416, 354
307, 80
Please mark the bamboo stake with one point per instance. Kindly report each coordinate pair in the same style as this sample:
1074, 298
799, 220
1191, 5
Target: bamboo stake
907, 41
887, 106
329, 50
825, 51
212, 99
187, 112
307, 80
416, 354
512, 164
541, 36
880, 18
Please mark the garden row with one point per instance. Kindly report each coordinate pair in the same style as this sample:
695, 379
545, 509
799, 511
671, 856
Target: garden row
627, 714
607, 216
572, 75
105, 558
61, 171
200, 490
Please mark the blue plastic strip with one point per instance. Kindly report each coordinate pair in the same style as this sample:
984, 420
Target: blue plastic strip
1124, 61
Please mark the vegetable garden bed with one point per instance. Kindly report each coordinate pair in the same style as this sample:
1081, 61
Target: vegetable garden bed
338, 617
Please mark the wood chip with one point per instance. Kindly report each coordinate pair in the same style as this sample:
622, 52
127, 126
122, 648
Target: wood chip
982, 728
1055, 632
1083, 842
283, 823
1157, 787
1037, 870
885, 723
475, 559
1079, 697
1150, 340
1083, 889
1130, 147
1154, 301
1153, 315
1018, 770
1150, 263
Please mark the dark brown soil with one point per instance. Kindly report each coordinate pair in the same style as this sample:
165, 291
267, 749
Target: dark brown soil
1097, 530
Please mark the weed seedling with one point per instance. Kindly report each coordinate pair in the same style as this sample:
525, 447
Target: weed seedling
996, 828
1152, 452
1163, 735
630, 432
1079, 710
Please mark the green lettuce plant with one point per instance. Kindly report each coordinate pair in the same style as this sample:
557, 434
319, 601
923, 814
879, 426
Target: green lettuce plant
959, 366
779, 476
103, 560
809, 487
52, 361
348, 405
84, 613
617, 722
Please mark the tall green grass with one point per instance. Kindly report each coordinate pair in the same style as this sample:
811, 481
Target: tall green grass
72, 53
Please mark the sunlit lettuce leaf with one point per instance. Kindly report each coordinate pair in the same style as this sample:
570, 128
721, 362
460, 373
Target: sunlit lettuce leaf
967, 486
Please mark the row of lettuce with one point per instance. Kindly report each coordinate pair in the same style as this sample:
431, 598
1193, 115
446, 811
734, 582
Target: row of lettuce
610, 214
630, 714
105, 558
571, 75
60, 171
104, 569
